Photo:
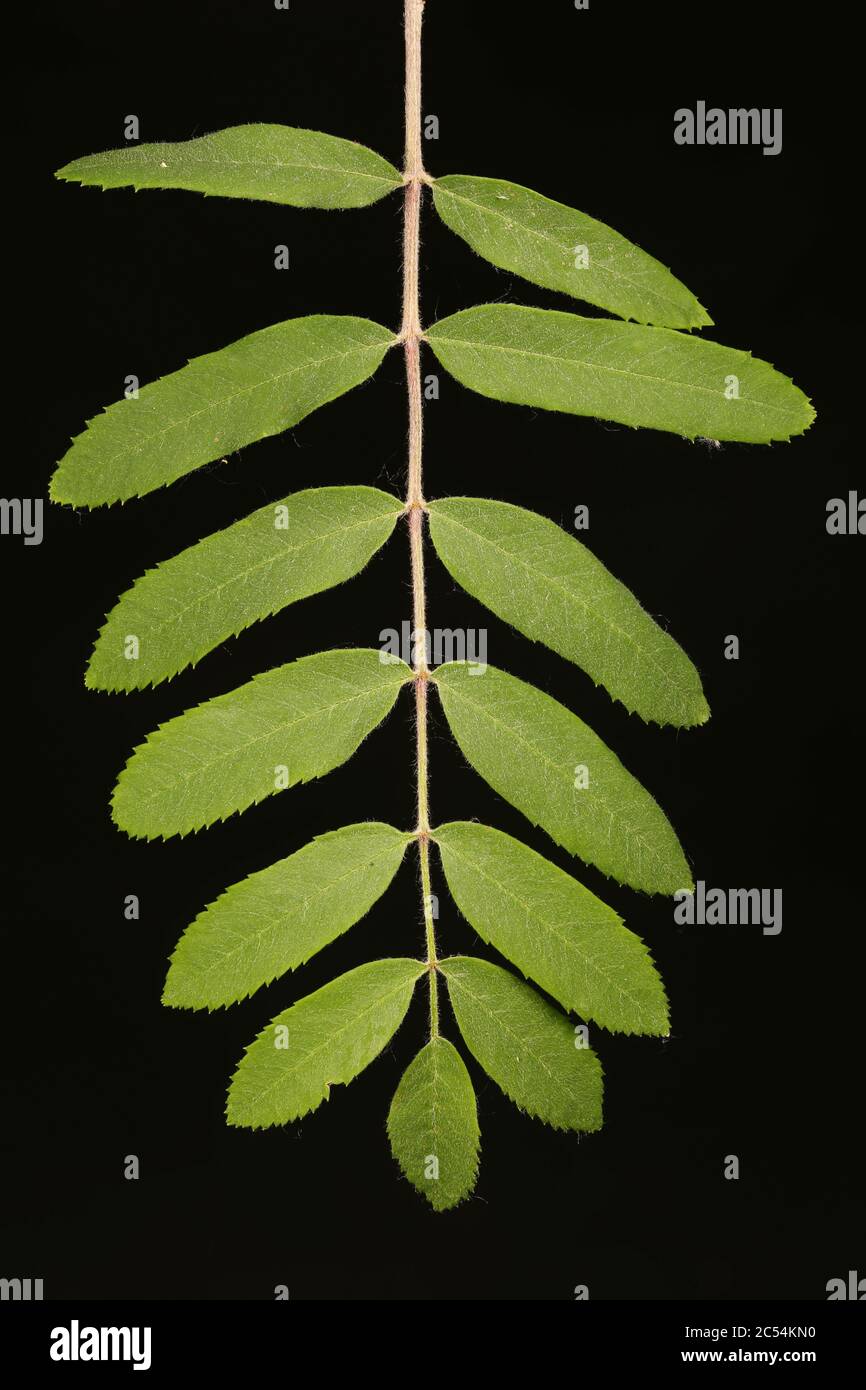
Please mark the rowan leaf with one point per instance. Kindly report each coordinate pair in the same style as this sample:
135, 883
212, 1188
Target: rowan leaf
433, 1125
526, 1045
281, 553
626, 372
553, 768
552, 928
551, 588
563, 249
275, 920
322, 1041
276, 163
285, 726
259, 386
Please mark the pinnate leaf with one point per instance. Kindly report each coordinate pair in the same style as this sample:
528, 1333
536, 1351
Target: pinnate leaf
557, 932
551, 588
322, 1041
562, 249
283, 552
525, 1044
256, 387
277, 919
286, 726
534, 751
619, 371
434, 1117
276, 163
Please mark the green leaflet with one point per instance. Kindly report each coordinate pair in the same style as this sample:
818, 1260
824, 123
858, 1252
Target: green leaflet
563, 249
550, 587
322, 1041
551, 927
277, 919
536, 754
283, 552
256, 387
276, 163
619, 371
283, 727
433, 1125
525, 1044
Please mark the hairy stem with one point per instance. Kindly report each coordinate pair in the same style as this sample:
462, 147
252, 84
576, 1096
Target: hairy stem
414, 177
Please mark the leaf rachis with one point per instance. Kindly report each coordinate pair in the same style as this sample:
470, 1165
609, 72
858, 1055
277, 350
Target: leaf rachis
414, 176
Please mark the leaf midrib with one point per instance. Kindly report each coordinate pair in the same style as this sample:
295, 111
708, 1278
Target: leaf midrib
278, 165
478, 345
557, 767
569, 595
332, 1037
288, 551
299, 905
606, 267
533, 915
222, 401
521, 1041
431, 1084
249, 743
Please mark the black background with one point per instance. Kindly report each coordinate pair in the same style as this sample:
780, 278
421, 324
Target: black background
762, 1058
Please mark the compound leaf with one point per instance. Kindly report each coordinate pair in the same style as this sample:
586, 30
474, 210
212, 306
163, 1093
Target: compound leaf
256, 387
551, 588
558, 933
275, 920
322, 1041
525, 1044
283, 552
283, 727
562, 249
626, 372
276, 163
553, 768
433, 1125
